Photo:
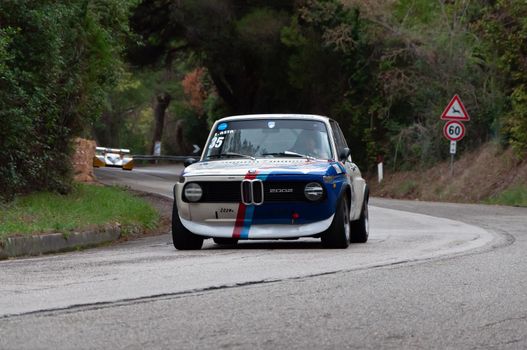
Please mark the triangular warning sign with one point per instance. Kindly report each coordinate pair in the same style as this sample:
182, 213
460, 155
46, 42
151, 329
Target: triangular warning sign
455, 110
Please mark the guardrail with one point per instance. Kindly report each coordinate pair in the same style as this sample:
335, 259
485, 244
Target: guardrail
172, 158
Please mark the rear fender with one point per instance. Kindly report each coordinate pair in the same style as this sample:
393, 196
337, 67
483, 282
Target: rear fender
360, 192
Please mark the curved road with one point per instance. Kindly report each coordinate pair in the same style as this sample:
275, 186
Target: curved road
433, 275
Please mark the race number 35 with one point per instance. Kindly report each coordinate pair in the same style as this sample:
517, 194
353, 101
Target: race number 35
216, 142
454, 130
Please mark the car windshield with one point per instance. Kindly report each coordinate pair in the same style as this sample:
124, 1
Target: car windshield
269, 138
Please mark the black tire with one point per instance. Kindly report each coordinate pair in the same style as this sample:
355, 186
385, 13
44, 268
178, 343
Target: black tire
338, 234
182, 238
360, 229
225, 241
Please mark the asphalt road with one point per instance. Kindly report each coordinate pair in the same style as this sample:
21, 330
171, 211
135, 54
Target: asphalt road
432, 275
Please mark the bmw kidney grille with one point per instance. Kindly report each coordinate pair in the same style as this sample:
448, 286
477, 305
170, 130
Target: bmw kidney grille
252, 192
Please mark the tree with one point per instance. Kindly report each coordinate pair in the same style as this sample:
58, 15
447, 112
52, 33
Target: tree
383, 69
504, 29
237, 41
57, 62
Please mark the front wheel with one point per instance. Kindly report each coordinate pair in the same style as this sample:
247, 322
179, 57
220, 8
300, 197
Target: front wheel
360, 229
182, 238
338, 234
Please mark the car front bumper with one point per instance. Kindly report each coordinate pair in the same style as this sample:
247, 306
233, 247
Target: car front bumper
246, 230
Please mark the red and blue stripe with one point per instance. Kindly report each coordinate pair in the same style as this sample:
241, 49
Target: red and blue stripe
244, 217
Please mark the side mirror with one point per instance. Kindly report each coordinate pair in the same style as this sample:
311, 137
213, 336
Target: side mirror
344, 154
189, 161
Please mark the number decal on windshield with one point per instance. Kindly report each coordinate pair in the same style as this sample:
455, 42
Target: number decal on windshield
216, 142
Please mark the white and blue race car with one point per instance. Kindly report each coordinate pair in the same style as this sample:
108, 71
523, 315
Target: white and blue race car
273, 176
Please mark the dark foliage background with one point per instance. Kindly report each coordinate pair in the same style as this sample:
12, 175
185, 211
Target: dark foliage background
383, 69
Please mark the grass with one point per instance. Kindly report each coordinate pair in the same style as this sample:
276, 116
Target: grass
406, 188
515, 196
88, 206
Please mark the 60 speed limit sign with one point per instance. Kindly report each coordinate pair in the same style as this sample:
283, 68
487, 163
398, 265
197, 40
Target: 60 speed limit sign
454, 130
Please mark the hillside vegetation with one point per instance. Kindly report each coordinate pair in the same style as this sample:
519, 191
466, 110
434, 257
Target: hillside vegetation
488, 174
130, 73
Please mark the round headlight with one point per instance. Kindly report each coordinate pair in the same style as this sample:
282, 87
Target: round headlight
314, 191
193, 192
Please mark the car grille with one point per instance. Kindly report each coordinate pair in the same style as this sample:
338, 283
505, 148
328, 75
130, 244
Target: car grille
250, 191
222, 191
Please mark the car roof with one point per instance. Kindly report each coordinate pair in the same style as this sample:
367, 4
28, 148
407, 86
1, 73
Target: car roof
275, 116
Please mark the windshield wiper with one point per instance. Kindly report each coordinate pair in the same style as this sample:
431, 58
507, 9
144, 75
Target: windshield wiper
288, 154
230, 154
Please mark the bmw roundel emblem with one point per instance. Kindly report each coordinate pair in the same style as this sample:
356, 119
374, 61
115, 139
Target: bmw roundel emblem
252, 171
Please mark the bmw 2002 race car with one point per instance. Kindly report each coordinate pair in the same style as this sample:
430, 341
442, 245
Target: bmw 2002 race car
276, 176
113, 157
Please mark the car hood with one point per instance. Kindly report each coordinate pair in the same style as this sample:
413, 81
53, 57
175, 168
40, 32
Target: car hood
242, 167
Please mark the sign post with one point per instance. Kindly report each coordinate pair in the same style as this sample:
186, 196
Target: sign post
157, 148
453, 145
454, 130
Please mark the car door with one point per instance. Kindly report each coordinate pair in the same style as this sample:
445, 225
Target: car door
352, 170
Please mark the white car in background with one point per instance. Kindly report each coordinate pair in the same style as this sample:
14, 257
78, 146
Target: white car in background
113, 157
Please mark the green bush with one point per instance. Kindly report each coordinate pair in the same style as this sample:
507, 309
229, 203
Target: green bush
57, 62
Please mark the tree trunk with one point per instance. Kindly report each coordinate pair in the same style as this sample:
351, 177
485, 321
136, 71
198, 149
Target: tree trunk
163, 100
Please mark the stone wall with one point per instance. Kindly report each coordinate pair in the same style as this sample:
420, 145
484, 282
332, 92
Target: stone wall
83, 160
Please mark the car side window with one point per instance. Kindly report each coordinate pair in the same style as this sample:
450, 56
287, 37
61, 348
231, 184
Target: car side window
334, 134
341, 135
337, 135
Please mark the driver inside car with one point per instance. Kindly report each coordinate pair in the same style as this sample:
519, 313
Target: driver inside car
308, 143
